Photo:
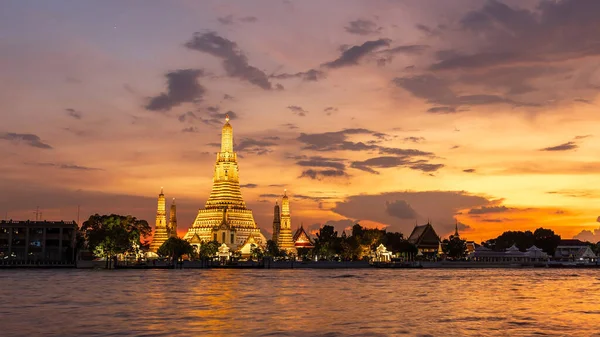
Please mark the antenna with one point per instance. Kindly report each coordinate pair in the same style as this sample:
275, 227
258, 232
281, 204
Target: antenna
37, 213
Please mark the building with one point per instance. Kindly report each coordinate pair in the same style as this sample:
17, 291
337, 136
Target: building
426, 240
276, 222
161, 233
38, 241
301, 239
172, 228
226, 196
575, 251
283, 230
511, 255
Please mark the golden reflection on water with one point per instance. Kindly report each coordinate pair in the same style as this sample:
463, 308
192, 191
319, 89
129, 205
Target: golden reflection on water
492, 302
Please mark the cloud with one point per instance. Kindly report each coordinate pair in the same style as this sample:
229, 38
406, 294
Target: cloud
406, 49
490, 209
249, 19
27, 138
329, 110
290, 126
575, 193
442, 110
68, 167
320, 174
471, 170
235, 61
255, 146
229, 19
362, 27
589, 235
352, 55
182, 87
249, 186
369, 165
414, 139
187, 116
74, 113
323, 162
191, 129
438, 206
562, 147
298, 110
400, 209
308, 76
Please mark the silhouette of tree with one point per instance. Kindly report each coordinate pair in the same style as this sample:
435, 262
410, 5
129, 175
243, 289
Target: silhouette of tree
174, 248
454, 247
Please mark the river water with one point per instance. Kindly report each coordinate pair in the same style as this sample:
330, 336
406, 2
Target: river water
359, 302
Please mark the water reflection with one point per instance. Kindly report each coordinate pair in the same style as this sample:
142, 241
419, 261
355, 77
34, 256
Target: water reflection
300, 302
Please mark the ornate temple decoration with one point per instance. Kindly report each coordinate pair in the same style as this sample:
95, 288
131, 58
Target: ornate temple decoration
301, 239
173, 220
282, 226
225, 213
160, 232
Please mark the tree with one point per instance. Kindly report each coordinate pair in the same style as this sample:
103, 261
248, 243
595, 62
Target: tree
256, 252
546, 240
272, 249
208, 250
454, 247
109, 235
174, 248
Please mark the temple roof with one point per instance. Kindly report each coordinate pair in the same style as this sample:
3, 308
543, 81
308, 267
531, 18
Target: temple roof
424, 235
195, 239
301, 239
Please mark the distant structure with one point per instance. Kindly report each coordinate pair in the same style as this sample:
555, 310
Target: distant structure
225, 208
38, 241
276, 222
301, 239
282, 226
172, 229
574, 250
426, 240
160, 231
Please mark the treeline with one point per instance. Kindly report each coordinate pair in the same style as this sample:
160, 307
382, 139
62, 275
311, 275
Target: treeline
542, 238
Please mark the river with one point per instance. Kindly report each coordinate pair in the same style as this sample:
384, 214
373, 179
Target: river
371, 302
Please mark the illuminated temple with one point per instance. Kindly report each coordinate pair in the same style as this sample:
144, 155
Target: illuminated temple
225, 217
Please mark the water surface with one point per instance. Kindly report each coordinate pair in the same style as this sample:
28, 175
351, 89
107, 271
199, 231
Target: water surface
371, 302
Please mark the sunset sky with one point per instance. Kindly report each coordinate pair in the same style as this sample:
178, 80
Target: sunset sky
382, 112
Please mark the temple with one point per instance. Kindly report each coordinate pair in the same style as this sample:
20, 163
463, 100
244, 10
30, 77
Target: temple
301, 239
225, 217
172, 229
426, 240
282, 226
160, 231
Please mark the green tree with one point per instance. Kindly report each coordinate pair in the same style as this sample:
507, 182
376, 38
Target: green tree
256, 252
454, 247
546, 240
109, 235
272, 249
174, 248
208, 250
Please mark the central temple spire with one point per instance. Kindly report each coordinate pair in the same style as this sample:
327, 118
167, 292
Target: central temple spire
226, 182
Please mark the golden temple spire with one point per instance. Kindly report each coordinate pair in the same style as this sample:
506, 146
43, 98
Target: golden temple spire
161, 191
226, 118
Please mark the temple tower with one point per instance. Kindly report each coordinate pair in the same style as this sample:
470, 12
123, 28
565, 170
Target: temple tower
173, 220
160, 231
284, 237
226, 195
276, 222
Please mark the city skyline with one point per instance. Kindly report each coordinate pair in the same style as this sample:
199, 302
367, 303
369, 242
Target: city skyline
388, 114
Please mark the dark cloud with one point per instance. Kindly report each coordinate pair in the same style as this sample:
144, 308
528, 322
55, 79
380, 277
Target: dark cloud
27, 138
290, 126
362, 27
249, 19
187, 116
249, 186
255, 146
298, 110
329, 110
74, 113
352, 55
309, 75
414, 139
406, 49
469, 170
369, 165
505, 51
320, 174
235, 61
400, 209
182, 87
322, 162
191, 129
226, 20
440, 207
333, 141
582, 137
442, 110
227, 97
575, 193
582, 100
68, 167
490, 209
562, 147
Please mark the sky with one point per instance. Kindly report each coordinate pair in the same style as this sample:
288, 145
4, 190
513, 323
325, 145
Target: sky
387, 113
